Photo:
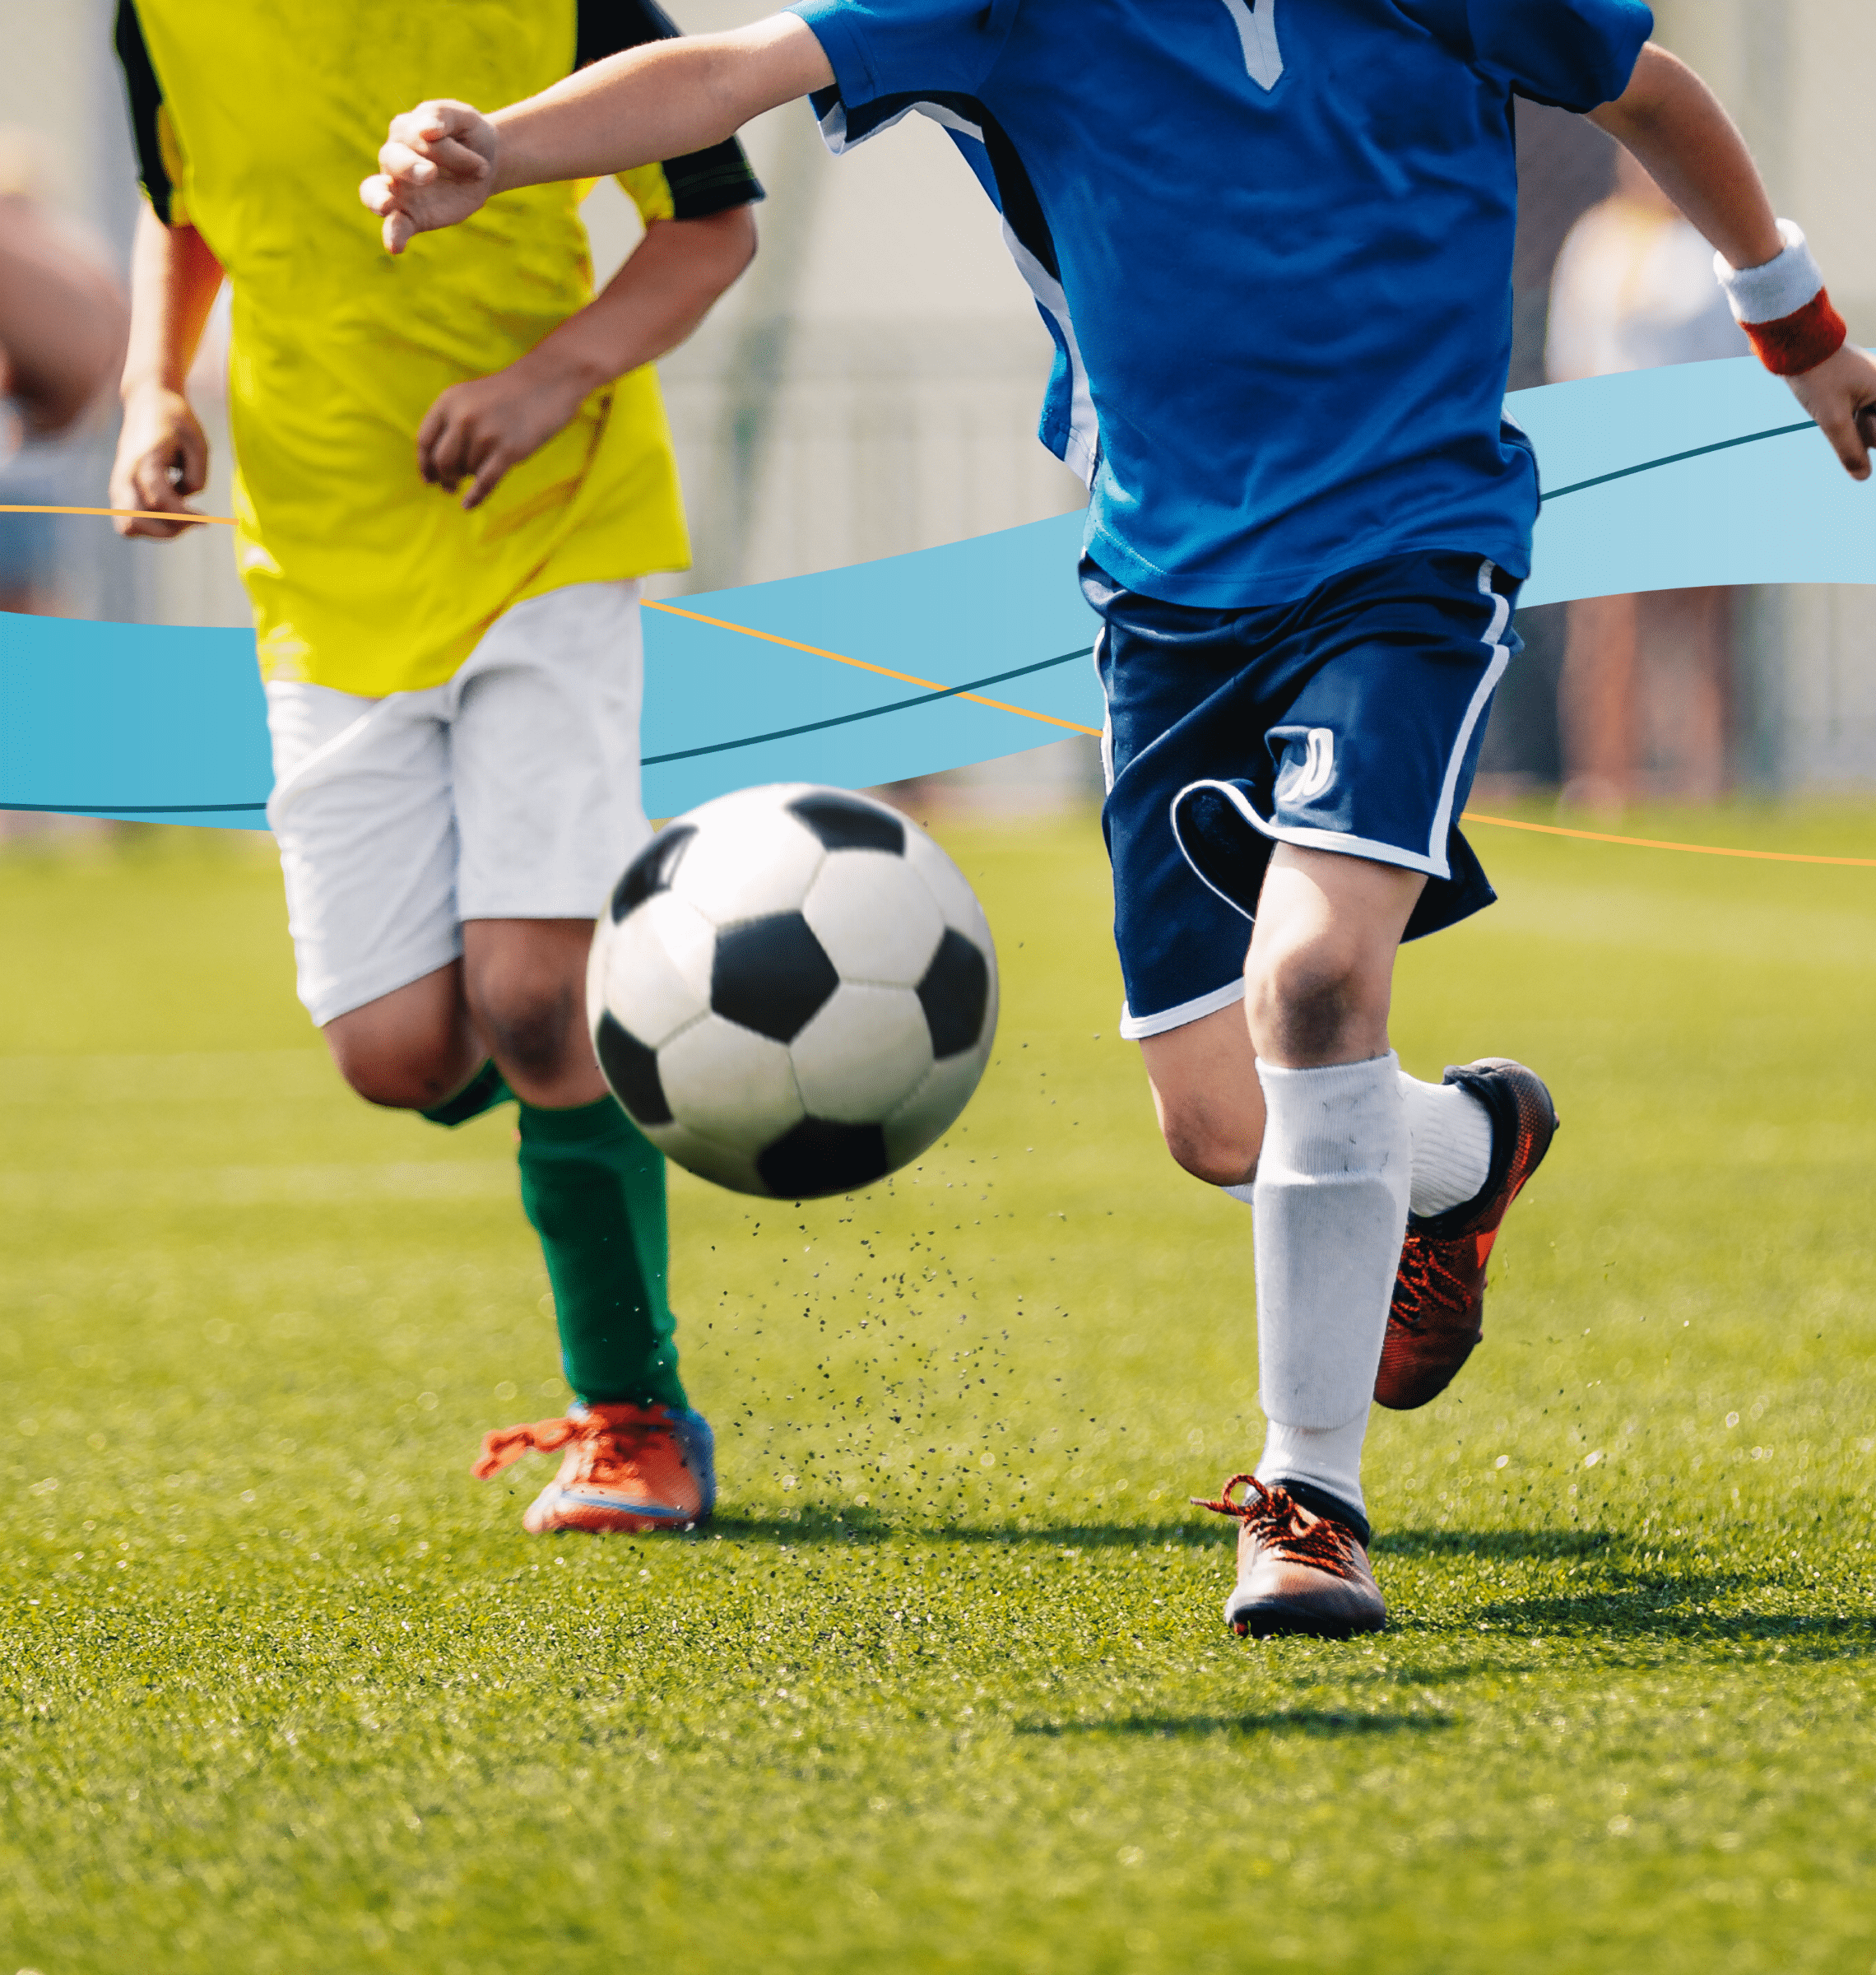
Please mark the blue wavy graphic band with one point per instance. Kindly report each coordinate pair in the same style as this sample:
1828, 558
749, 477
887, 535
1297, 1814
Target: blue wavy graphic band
1659, 479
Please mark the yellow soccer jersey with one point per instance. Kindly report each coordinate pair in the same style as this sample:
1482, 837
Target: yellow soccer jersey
255, 120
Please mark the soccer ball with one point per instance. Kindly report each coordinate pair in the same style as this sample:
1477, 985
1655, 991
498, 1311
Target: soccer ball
793, 991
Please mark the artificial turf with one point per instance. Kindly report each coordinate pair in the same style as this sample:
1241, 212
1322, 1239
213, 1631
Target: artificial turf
945, 1686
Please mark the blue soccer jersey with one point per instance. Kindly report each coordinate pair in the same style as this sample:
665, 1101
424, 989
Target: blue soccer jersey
1273, 241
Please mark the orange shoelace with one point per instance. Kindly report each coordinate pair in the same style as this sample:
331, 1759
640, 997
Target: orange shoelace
504, 1444
1278, 1520
613, 1435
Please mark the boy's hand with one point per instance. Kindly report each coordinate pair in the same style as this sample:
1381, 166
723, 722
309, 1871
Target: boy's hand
162, 455
438, 166
475, 431
1839, 393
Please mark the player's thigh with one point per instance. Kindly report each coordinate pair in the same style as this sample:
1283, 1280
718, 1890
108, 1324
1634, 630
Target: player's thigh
410, 1049
361, 811
544, 748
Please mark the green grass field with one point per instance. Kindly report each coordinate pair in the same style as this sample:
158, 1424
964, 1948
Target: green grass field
945, 1686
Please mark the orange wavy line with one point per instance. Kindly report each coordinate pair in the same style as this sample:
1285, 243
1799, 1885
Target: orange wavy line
885, 671
1702, 850
127, 513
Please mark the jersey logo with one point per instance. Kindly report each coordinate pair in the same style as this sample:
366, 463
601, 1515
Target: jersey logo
1256, 24
1304, 781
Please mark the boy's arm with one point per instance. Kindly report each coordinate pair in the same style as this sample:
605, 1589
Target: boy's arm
1677, 129
478, 429
162, 454
665, 100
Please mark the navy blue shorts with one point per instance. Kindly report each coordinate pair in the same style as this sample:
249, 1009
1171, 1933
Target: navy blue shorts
1349, 721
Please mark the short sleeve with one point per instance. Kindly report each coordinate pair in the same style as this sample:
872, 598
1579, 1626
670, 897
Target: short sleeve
1576, 55
891, 48
689, 187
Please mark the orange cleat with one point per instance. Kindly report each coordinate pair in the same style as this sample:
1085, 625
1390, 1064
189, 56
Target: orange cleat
1300, 1573
1438, 1311
628, 1468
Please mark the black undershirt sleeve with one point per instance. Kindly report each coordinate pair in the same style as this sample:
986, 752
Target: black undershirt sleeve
144, 96
705, 182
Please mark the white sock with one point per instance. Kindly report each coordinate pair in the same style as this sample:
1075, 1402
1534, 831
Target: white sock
1329, 1457
1452, 1132
1329, 1204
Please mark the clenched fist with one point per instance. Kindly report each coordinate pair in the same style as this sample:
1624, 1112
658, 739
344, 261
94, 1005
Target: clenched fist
437, 166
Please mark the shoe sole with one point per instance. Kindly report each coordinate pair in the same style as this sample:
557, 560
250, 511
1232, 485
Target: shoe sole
1280, 1618
576, 1515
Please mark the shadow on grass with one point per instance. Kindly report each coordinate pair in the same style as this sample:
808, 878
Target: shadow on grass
851, 1525
1627, 1608
1538, 1544
1297, 1721
1632, 1591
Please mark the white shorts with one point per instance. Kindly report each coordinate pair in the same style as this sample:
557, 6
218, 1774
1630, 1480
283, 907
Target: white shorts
511, 792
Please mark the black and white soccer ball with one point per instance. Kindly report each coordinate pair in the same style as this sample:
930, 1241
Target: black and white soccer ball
793, 992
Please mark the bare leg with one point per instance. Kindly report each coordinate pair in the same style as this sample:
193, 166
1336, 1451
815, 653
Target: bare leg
410, 1049
526, 991
518, 994
1319, 978
1206, 1094
1320, 975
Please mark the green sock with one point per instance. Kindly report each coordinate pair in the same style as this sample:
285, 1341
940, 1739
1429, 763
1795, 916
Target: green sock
594, 1189
483, 1092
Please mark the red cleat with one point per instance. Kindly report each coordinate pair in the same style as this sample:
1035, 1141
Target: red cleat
1438, 1310
628, 1469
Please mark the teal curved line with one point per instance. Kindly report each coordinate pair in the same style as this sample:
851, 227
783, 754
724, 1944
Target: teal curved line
1673, 459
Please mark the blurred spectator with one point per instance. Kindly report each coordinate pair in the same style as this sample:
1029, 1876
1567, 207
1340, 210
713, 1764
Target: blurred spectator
63, 322
1645, 702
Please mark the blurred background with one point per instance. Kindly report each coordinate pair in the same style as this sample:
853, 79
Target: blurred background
872, 388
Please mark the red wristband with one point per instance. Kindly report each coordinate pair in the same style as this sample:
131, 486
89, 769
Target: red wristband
1801, 340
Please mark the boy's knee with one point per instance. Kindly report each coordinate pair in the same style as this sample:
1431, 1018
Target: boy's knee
532, 1024
1312, 997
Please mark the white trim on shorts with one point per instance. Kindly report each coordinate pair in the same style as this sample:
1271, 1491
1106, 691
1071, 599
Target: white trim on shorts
1433, 862
1136, 1028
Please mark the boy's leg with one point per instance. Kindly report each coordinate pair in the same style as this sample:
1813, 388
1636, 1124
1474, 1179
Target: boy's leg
592, 1186
1351, 718
1331, 1195
544, 739
366, 802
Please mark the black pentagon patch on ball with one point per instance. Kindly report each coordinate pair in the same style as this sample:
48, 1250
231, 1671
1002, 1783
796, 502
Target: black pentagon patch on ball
816, 1158
954, 993
771, 975
632, 1069
652, 870
846, 823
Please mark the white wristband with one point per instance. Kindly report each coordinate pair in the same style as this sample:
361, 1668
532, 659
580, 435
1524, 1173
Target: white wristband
1776, 288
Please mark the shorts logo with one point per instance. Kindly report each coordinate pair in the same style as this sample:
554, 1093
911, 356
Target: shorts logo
1256, 24
1302, 781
